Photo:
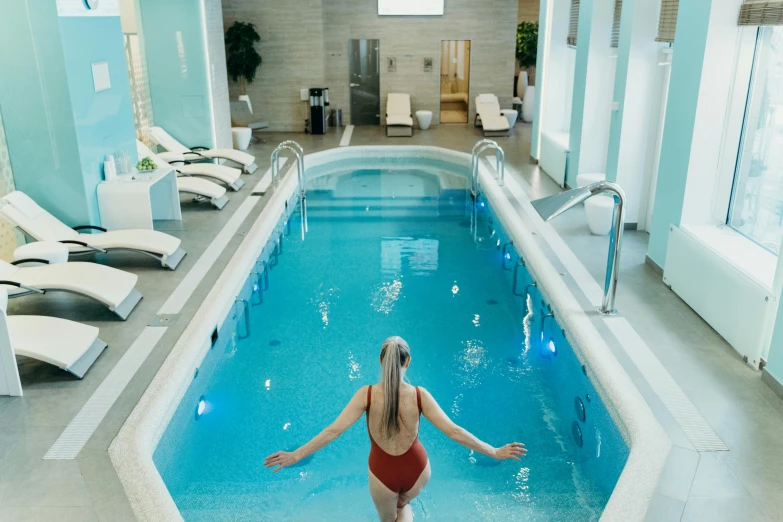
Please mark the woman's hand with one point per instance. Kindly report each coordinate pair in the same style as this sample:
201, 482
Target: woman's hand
281, 459
510, 451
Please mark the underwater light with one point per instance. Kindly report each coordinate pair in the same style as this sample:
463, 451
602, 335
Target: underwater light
552, 348
481, 204
508, 255
201, 407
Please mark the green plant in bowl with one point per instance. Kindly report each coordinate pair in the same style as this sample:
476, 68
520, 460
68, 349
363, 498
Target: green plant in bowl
146, 164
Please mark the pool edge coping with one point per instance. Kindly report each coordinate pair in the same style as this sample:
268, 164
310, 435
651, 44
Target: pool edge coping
132, 450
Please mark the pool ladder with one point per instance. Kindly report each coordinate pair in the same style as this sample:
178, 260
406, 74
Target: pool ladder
500, 163
298, 151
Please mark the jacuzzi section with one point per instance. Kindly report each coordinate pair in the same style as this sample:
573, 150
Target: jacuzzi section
582, 419
597, 414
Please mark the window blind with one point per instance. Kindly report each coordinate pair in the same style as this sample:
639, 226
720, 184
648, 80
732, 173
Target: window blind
618, 10
573, 23
761, 12
667, 23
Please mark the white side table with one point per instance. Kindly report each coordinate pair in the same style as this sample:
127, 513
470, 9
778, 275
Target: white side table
137, 200
51, 251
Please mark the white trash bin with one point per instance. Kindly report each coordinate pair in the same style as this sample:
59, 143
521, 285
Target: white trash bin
599, 210
424, 119
511, 115
241, 137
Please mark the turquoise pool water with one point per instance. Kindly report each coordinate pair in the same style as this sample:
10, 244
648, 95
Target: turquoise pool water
392, 250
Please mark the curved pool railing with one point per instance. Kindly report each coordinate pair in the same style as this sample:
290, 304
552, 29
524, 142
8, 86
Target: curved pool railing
300, 174
500, 163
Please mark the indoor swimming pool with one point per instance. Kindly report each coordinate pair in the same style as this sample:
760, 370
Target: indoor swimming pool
397, 249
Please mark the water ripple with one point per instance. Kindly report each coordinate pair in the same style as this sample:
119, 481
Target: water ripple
385, 295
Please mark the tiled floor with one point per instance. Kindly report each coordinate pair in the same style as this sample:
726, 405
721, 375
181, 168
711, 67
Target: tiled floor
743, 484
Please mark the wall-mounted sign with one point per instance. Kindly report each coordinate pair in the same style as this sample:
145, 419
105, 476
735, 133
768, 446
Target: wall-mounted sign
410, 7
428, 65
100, 76
391, 64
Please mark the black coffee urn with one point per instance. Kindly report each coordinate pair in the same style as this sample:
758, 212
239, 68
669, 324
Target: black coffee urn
319, 101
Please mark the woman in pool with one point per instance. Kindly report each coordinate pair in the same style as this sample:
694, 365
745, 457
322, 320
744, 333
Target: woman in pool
399, 467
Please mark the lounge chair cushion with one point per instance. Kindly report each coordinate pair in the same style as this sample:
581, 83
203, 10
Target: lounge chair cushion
135, 239
26, 214
102, 283
201, 187
223, 173
49, 339
398, 109
192, 185
237, 156
168, 142
406, 121
38, 223
488, 109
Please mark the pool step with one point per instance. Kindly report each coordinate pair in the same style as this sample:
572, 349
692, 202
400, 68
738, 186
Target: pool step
370, 207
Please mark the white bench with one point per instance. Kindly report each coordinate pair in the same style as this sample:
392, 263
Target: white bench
553, 158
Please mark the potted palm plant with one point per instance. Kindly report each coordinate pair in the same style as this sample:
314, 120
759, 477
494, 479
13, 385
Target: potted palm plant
527, 50
242, 59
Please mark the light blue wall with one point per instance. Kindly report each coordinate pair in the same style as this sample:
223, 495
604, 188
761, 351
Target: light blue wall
775, 357
103, 120
621, 80
687, 62
543, 26
580, 87
36, 105
173, 37
58, 128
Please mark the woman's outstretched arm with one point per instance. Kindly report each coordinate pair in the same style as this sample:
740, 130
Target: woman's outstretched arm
433, 413
351, 413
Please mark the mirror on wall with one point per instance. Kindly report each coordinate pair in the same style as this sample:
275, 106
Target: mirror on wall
454, 81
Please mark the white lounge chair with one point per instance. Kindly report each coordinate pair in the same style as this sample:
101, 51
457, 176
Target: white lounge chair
163, 139
116, 289
187, 183
489, 117
69, 345
24, 213
224, 174
399, 118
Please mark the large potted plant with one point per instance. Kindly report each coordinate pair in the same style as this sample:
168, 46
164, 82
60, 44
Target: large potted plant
527, 50
242, 59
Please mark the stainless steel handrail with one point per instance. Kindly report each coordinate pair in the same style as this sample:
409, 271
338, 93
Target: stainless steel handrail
300, 172
500, 163
276, 164
552, 206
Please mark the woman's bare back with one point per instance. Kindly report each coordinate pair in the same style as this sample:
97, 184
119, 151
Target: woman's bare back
408, 415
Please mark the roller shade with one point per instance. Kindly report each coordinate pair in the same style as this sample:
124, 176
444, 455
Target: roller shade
618, 10
761, 12
573, 23
667, 23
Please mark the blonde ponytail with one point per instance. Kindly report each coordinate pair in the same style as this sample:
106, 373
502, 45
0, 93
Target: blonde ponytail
394, 355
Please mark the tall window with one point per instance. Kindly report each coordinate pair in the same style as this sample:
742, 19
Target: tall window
756, 208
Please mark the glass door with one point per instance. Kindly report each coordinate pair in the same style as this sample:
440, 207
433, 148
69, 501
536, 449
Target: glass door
454, 81
365, 81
